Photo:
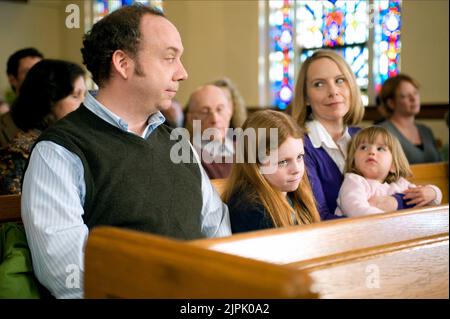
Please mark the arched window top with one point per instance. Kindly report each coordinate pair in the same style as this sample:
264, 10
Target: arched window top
366, 33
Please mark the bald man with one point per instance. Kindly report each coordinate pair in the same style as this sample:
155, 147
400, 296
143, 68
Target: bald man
210, 105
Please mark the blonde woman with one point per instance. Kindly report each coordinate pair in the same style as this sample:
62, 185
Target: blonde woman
327, 103
265, 194
375, 179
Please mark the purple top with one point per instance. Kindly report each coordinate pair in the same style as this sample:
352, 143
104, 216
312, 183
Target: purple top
325, 177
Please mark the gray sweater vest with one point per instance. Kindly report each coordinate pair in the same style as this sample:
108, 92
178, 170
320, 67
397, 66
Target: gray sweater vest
132, 182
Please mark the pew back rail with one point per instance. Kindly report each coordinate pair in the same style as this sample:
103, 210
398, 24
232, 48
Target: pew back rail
432, 173
10, 208
293, 244
127, 264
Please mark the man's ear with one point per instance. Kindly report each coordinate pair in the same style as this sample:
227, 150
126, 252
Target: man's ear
13, 82
121, 63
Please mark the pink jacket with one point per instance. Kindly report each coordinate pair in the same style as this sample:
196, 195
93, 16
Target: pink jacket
353, 198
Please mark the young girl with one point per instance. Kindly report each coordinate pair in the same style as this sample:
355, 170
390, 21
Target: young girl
270, 193
375, 182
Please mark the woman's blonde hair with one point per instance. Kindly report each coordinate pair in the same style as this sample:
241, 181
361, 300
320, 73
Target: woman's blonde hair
246, 177
239, 108
369, 135
301, 110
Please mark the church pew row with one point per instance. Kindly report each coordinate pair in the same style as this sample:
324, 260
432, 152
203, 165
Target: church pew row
298, 243
423, 174
401, 266
416, 268
121, 263
10, 208
382, 268
219, 184
393, 255
432, 173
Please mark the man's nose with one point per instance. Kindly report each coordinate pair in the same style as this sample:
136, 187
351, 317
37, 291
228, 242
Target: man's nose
181, 74
214, 117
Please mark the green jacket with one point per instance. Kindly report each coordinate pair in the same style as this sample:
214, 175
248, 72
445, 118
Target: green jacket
16, 272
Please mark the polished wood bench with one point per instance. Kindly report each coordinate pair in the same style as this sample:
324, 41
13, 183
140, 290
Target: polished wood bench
423, 174
415, 268
10, 208
219, 184
297, 243
127, 264
432, 173
392, 255
404, 253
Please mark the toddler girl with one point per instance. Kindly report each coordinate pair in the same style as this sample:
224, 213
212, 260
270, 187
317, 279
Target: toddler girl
374, 182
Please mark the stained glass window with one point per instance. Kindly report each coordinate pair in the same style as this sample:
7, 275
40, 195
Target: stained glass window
349, 27
281, 72
103, 7
386, 41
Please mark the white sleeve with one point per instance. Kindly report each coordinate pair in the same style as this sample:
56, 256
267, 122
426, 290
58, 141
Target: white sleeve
438, 199
52, 209
353, 198
215, 218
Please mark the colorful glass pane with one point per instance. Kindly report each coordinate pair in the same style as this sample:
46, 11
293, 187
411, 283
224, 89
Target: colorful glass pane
281, 71
344, 26
339, 25
103, 7
387, 45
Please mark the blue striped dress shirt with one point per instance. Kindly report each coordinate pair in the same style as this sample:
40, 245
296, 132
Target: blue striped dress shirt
53, 195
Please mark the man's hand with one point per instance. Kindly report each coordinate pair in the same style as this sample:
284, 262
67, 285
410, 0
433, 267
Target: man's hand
385, 203
419, 195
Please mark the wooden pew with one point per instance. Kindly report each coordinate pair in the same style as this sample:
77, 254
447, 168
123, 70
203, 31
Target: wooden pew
127, 264
10, 208
393, 255
219, 184
405, 253
432, 173
429, 173
294, 244
415, 268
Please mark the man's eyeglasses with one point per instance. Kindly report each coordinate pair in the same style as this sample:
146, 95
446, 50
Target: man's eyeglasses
205, 113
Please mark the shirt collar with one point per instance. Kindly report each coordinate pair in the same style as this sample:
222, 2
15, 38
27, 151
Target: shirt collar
319, 135
105, 114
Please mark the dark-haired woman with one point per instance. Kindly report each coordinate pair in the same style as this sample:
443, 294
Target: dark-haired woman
51, 90
400, 98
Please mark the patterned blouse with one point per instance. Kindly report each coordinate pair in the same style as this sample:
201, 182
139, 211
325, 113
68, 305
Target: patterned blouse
13, 159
